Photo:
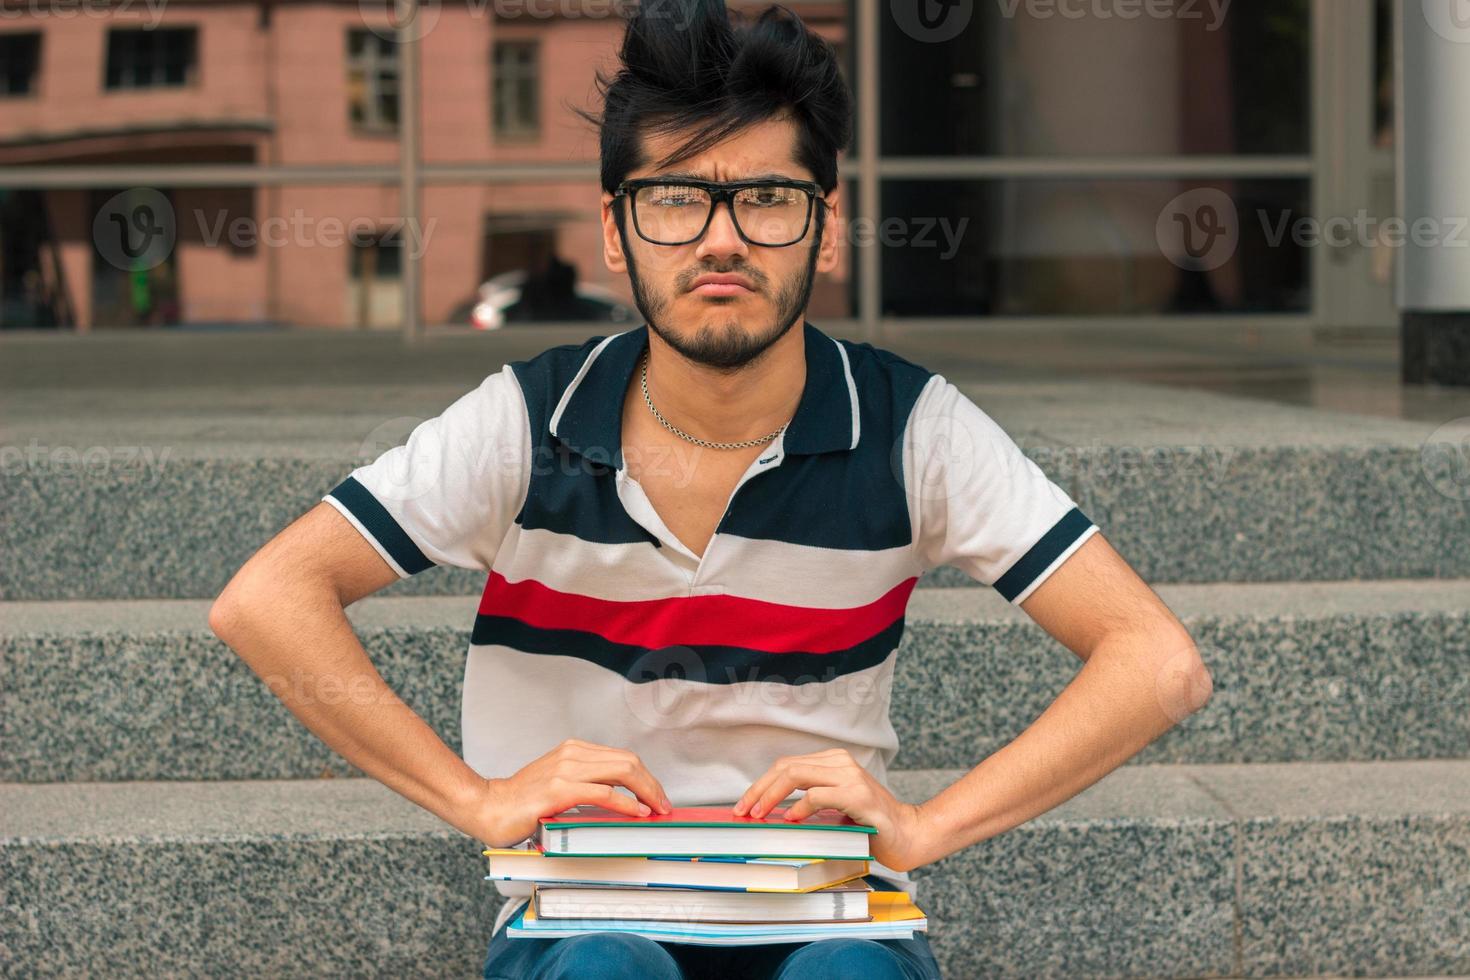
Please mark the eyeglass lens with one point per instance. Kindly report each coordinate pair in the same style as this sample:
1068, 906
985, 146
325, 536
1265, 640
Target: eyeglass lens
672, 214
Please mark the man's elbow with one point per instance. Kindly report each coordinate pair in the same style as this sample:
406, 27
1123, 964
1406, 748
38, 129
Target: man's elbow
224, 613
231, 609
1182, 681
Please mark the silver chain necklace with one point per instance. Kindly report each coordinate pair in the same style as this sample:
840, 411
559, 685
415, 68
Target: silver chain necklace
745, 444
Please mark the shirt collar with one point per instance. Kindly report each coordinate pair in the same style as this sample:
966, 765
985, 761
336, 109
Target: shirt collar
588, 418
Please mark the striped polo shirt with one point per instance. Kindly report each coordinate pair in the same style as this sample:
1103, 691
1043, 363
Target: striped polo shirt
597, 623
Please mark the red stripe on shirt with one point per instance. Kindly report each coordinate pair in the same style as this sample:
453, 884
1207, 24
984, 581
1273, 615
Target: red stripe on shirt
714, 620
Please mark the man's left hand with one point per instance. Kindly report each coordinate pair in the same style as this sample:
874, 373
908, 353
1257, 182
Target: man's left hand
834, 779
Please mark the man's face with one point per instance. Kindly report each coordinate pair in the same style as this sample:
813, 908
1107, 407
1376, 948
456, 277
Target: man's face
723, 327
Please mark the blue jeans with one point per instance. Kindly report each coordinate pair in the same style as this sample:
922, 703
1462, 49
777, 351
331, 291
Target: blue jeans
615, 955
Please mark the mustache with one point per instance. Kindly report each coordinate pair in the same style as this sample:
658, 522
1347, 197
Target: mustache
686, 279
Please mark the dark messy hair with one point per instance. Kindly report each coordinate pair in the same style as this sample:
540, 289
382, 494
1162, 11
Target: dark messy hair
692, 64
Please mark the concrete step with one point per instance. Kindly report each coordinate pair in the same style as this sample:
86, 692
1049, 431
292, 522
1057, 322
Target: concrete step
162, 490
1295, 869
141, 689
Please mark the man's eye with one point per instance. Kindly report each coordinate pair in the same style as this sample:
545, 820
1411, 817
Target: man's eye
768, 197
675, 200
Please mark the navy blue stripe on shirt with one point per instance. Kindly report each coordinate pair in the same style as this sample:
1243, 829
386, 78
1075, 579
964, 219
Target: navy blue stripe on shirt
700, 663
381, 525
1042, 554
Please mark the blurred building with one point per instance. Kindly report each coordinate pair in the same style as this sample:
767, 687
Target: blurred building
1039, 159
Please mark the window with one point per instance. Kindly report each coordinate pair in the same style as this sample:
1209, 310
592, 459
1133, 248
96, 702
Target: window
20, 56
372, 81
381, 257
156, 58
1074, 247
517, 89
1173, 79
375, 280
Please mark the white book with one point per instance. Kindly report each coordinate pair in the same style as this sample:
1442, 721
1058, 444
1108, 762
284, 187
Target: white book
846, 902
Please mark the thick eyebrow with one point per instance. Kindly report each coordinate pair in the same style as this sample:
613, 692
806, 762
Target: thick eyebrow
691, 175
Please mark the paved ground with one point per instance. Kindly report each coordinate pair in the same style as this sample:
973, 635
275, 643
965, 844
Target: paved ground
1347, 370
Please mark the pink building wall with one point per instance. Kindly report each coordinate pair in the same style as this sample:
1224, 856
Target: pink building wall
273, 90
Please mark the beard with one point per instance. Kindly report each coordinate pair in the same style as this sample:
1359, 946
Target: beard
733, 346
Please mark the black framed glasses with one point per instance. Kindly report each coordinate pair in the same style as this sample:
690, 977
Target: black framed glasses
768, 211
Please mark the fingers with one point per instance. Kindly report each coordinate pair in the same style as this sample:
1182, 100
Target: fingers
587, 762
569, 793
816, 798
619, 771
759, 790
791, 777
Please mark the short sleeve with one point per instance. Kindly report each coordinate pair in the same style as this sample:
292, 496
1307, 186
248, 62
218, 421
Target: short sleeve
978, 502
448, 495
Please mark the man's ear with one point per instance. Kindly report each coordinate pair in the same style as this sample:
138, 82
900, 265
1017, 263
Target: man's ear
827, 255
612, 243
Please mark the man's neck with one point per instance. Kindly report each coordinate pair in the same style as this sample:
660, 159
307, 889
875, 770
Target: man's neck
729, 406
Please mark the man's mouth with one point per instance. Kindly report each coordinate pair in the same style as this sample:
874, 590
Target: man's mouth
721, 284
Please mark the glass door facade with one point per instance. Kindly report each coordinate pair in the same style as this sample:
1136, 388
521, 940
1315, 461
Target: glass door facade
1089, 161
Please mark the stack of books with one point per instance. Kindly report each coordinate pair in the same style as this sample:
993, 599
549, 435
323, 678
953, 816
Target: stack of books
702, 875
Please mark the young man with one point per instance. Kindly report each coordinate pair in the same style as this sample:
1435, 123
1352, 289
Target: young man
700, 535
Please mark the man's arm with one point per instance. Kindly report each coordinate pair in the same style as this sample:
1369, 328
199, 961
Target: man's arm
284, 613
1141, 675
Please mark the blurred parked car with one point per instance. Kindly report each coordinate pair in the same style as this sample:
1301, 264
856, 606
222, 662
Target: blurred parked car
554, 295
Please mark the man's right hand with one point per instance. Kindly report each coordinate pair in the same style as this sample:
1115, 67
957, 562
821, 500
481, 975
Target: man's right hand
574, 772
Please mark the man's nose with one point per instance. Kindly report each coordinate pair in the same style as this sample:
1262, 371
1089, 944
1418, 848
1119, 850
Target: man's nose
721, 237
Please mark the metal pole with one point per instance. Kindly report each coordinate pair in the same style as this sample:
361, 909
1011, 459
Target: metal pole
409, 161
869, 259
1434, 198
